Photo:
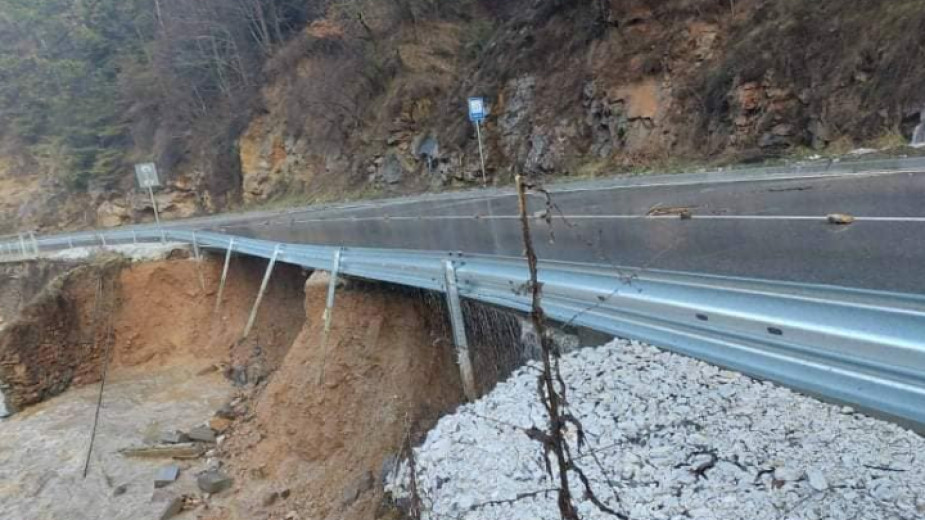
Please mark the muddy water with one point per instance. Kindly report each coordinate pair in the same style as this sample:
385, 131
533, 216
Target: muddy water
42, 450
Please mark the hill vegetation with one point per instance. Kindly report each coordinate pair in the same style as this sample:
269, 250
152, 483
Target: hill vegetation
276, 101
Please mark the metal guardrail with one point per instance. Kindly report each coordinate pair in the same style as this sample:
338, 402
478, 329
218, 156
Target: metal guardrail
862, 348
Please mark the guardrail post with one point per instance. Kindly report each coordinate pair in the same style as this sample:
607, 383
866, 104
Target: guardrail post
163, 236
134, 237
459, 331
22, 245
102, 239
198, 258
195, 247
263, 289
35, 243
221, 284
329, 311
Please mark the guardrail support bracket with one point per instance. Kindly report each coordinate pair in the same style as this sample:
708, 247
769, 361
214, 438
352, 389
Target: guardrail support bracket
329, 311
459, 331
263, 289
221, 284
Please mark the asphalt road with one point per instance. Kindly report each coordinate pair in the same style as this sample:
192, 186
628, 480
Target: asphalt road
763, 228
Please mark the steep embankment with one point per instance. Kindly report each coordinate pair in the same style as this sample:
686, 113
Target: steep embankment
313, 445
150, 315
367, 97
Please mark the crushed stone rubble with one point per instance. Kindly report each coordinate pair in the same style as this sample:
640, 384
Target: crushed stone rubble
675, 438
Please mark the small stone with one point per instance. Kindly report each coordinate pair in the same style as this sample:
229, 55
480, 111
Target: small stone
284, 494
291, 515
214, 482
785, 474
360, 486
270, 499
174, 437
389, 466
119, 490
227, 412
817, 480
219, 424
166, 476
202, 434
920, 505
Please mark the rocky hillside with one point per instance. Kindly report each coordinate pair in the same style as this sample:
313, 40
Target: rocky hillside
367, 97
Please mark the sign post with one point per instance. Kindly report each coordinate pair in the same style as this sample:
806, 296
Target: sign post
146, 173
477, 115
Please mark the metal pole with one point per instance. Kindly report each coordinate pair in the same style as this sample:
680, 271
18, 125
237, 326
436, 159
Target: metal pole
157, 216
134, 237
22, 245
263, 289
202, 281
459, 331
195, 247
478, 132
329, 312
35, 243
221, 284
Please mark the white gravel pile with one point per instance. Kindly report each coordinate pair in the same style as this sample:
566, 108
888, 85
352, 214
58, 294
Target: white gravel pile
676, 438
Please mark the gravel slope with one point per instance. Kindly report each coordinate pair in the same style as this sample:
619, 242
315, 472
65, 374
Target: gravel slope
677, 438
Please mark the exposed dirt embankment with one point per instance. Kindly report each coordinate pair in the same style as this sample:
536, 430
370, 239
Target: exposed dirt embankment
150, 315
318, 448
293, 439
20, 283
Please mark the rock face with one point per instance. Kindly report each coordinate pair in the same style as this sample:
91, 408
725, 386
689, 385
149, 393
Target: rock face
45, 350
619, 85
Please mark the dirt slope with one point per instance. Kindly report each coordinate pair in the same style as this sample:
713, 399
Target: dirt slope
153, 315
323, 446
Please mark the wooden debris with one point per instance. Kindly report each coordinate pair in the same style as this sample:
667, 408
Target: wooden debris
173, 451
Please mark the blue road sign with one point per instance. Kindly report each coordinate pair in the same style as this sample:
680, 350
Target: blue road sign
476, 109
